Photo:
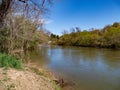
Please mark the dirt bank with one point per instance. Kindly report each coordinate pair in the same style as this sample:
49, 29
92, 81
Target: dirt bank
31, 78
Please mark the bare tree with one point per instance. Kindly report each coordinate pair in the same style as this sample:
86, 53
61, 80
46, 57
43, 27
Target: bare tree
23, 18
30, 5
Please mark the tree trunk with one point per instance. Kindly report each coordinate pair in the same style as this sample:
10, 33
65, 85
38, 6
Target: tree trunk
4, 7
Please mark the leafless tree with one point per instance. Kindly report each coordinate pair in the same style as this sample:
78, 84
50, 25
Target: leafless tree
36, 6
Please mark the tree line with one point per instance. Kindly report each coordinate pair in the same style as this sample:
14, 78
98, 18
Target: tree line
108, 37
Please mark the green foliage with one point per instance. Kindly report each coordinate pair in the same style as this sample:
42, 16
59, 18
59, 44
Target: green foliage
21, 35
108, 37
4, 34
37, 71
54, 38
10, 61
56, 87
11, 87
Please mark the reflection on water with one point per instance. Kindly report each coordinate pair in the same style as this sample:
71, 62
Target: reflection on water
89, 68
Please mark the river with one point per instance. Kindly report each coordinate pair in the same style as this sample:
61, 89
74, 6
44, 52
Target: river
87, 68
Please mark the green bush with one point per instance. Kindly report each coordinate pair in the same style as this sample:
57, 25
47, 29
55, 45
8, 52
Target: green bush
10, 61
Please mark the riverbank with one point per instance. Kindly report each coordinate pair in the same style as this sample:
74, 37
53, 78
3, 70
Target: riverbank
31, 78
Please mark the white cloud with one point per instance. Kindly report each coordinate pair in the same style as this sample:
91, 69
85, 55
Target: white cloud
48, 21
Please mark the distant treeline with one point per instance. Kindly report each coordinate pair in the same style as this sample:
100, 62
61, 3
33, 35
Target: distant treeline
108, 37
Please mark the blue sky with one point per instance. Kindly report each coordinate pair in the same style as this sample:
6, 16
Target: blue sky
86, 14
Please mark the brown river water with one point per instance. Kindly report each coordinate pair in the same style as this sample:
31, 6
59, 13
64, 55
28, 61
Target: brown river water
83, 68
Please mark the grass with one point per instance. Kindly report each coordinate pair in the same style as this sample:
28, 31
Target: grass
56, 87
11, 87
37, 71
9, 61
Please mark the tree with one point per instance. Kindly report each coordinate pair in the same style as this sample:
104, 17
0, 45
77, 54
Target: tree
108, 37
21, 23
6, 5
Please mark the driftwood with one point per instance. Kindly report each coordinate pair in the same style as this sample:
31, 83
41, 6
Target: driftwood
62, 83
59, 82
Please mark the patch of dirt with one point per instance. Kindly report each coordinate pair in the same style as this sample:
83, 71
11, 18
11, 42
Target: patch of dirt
27, 79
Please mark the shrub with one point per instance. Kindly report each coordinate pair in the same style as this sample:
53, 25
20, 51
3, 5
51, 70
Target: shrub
9, 61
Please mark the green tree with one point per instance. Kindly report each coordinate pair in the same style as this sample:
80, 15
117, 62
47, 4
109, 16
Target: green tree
108, 37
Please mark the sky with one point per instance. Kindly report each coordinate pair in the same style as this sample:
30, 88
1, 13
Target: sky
85, 14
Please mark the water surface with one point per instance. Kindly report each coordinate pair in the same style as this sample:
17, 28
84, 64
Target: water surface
88, 68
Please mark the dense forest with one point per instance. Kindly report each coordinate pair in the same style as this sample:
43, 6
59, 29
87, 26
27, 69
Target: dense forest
108, 37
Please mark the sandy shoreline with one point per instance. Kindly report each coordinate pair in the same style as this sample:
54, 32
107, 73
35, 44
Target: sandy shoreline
32, 78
